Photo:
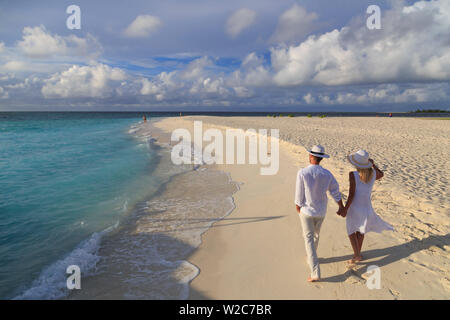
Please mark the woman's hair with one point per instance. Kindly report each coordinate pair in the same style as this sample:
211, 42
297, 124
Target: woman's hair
365, 174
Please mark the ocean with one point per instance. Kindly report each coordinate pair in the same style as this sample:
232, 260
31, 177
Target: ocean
93, 190
64, 178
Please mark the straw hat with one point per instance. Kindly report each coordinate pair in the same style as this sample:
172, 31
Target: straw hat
318, 151
360, 159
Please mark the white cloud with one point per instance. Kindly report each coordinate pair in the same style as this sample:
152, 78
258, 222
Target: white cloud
95, 81
207, 86
381, 94
37, 42
410, 47
14, 65
2, 47
239, 21
143, 26
194, 81
196, 68
252, 73
294, 24
27, 66
148, 87
408, 61
309, 99
18, 88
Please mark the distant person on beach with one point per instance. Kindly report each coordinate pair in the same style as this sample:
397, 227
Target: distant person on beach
144, 118
311, 188
361, 218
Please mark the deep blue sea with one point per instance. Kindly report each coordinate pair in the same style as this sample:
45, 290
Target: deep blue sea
64, 179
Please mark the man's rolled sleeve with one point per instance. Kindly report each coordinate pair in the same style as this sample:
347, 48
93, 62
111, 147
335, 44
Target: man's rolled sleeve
334, 189
299, 190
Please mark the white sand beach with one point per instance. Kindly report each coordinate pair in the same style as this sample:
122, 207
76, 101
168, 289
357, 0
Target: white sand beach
257, 252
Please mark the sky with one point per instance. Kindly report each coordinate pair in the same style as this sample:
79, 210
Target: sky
300, 55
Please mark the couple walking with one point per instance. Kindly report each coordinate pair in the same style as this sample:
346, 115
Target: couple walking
312, 184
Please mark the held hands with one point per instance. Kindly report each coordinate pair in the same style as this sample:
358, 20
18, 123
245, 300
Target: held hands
342, 211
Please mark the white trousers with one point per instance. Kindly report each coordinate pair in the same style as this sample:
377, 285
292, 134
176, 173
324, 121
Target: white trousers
311, 229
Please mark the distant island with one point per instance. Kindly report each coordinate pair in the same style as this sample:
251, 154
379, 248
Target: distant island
430, 111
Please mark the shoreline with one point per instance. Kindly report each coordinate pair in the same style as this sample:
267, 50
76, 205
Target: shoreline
242, 269
255, 249
146, 257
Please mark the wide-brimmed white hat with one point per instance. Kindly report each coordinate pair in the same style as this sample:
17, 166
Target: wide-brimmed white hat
318, 151
360, 159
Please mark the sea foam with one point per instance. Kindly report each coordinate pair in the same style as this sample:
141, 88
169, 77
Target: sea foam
51, 284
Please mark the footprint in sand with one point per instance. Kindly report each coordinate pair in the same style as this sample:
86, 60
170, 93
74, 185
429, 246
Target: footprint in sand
351, 266
353, 277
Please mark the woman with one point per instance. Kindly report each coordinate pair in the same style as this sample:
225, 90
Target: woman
361, 218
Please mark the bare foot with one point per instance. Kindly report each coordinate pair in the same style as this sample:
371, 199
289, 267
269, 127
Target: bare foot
351, 266
313, 279
358, 258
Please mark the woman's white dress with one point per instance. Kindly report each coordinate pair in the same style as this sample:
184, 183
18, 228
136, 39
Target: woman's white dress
361, 216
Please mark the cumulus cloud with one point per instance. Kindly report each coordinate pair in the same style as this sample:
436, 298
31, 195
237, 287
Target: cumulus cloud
95, 81
410, 47
194, 81
381, 94
196, 68
294, 24
37, 42
309, 99
149, 87
252, 73
152, 88
408, 61
14, 65
16, 88
143, 26
239, 21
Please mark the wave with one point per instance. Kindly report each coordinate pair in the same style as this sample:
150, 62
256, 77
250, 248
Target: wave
147, 257
51, 283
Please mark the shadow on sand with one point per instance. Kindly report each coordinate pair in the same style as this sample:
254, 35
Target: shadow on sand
386, 255
242, 220
143, 265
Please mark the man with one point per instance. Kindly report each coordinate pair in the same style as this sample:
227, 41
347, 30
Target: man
313, 182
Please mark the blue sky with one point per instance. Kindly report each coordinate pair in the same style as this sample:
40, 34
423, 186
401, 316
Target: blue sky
258, 54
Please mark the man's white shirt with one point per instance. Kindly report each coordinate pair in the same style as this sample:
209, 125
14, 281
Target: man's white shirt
311, 188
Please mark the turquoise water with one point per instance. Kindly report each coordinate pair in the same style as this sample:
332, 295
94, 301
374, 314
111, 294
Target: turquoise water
64, 178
